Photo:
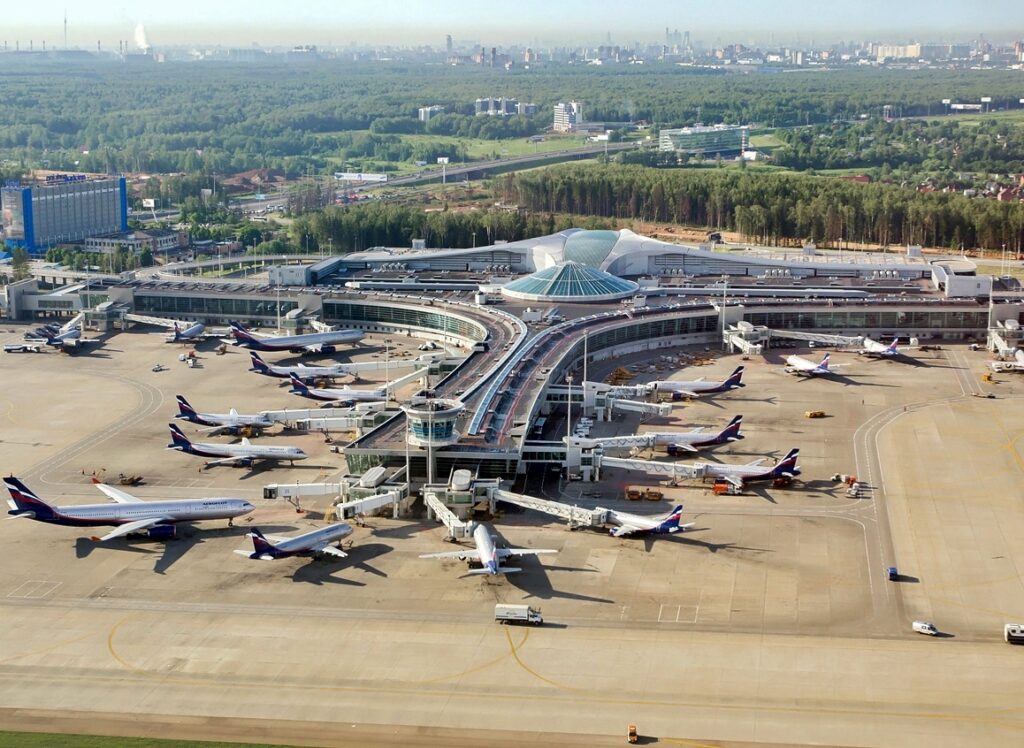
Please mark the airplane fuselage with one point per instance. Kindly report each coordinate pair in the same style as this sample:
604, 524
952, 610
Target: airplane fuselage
242, 452
298, 342
183, 510
307, 543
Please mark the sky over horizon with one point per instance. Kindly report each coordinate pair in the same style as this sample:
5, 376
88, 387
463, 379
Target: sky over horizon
563, 22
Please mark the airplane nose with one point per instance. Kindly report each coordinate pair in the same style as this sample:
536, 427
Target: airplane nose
247, 507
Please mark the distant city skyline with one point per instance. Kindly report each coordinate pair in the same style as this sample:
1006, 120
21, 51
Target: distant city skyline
396, 22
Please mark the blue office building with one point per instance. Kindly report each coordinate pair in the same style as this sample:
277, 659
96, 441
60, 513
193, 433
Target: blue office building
62, 210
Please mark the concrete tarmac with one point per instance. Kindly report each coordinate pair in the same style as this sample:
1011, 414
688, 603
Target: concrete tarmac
770, 624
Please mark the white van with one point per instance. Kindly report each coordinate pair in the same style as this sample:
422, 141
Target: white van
923, 627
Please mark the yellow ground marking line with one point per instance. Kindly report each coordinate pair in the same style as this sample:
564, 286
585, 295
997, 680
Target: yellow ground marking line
592, 697
480, 667
48, 648
515, 655
680, 741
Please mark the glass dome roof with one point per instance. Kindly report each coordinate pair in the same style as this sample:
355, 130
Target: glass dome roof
570, 281
590, 247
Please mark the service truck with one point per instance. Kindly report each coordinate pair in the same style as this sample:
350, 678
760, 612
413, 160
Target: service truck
517, 614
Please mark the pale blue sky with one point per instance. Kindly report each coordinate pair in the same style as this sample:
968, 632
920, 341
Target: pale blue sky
236, 22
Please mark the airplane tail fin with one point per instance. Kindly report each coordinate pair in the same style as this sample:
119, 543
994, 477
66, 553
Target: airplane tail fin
24, 502
735, 379
239, 332
178, 438
185, 410
824, 361
732, 431
297, 384
892, 345
787, 466
671, 522
261, 546
258, 364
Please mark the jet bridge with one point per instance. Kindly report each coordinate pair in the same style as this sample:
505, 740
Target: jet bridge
574, 515
635, 406
346, 509
837, 341
674, 470
436, 509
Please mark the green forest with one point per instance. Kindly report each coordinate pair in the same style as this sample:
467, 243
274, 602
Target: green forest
770, 207
225, 118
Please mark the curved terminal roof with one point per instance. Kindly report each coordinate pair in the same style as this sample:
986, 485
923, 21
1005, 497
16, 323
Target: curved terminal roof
570, 282
590, 247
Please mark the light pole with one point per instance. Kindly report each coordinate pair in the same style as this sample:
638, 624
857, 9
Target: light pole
387, 377
725, 290
278, 290
568, 411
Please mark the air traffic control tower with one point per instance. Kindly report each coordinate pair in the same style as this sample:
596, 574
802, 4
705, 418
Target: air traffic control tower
431, 424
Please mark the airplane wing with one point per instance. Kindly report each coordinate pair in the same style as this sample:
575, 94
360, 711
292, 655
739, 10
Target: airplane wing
453, 554
506, 552
759, 461
314, 348
501, 570
687, 393
330, 550
687, 447
734, 480
214, 430
119, 496
623, 530
131, 527
250, 554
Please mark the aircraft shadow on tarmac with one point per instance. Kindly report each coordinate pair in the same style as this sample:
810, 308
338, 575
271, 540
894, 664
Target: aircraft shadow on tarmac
533, 580
169, 551
262, 467
400, 532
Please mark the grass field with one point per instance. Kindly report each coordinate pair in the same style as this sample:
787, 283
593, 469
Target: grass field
50, 740
765, 142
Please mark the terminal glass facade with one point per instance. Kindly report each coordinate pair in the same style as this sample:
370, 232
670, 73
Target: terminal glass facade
231, 307
404, 316
570, 282
64, 211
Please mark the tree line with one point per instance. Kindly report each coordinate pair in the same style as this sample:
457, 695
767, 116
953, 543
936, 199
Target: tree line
770, 207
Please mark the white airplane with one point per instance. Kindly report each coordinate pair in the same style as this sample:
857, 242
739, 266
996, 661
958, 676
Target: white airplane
875, 349
629, 524
230, 422
344, 394
315, 342
486, 554
68, 337
803, 367
244, 454
305, 373
695, 440
698, 387
157, 519
786, 469
313, 543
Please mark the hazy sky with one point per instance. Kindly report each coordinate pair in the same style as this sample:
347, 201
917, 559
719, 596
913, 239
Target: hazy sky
243, 22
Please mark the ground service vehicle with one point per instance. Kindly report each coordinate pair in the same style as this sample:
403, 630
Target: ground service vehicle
631, 734
517, 614
923, 627
1014, 633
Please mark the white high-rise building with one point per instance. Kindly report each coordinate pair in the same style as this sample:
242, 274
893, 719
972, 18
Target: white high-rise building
567, 115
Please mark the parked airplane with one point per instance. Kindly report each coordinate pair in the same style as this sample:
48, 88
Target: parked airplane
698, 387
486, 554
157, 519
230, 422
694, 441
306, 373
629, 524
344, 394
193, 332
752, 472
313, 543
803, 367
875, 349
244, 454
68, 337
315, 342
